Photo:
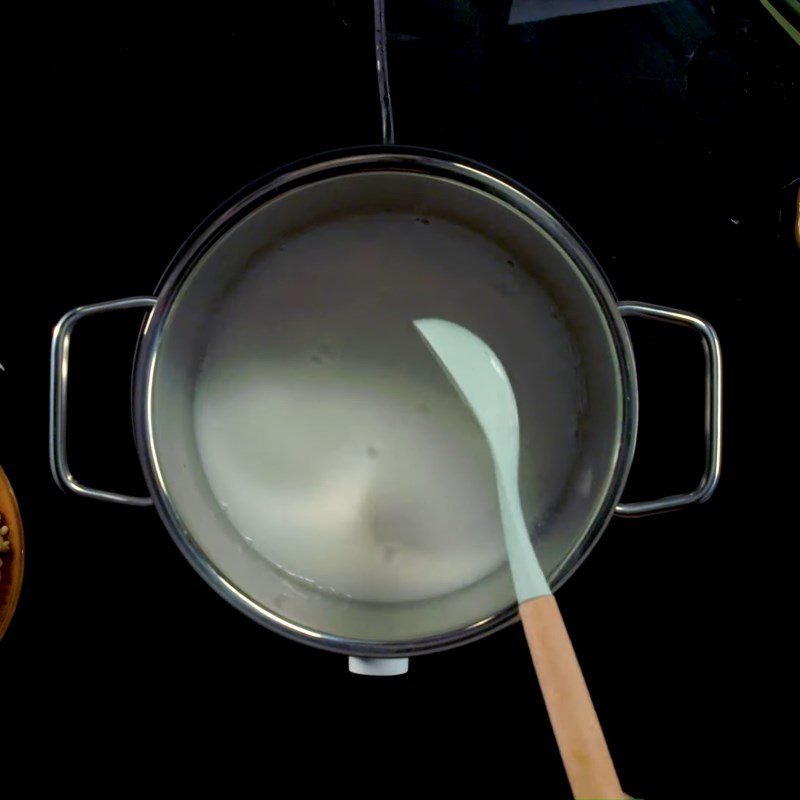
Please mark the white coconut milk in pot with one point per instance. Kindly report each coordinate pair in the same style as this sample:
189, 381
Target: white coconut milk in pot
328, 434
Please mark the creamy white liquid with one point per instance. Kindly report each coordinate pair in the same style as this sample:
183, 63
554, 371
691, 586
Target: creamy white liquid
329, 434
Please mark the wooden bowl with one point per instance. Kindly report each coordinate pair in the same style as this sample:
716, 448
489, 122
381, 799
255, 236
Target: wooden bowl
14, 560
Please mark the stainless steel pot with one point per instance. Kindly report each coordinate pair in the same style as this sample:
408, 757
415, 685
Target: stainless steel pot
168, 353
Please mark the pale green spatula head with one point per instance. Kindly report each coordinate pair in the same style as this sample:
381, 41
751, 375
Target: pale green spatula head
481, 379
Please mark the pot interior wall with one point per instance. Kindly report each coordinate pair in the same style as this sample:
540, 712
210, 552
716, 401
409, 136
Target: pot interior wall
497, 259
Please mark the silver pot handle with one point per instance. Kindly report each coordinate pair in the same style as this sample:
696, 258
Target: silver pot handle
59, 367
713, 354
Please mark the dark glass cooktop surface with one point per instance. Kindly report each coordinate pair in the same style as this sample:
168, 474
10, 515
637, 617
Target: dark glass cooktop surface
665, 133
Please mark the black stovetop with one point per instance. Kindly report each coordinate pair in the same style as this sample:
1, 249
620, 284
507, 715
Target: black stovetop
666, 134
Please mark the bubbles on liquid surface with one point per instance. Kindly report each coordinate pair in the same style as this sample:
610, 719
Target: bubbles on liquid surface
325, 352
389, 551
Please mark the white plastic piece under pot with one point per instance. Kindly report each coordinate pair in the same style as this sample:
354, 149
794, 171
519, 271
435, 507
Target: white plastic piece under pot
378, 666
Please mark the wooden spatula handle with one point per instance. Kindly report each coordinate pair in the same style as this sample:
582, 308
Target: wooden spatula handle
580, 738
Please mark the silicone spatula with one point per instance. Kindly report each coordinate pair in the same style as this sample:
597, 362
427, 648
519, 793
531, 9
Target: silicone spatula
482, 381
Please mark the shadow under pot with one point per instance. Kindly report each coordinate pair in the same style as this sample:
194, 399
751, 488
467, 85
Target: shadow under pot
307, 454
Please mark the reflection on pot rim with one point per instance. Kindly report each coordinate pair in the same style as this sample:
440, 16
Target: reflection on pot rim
394, 159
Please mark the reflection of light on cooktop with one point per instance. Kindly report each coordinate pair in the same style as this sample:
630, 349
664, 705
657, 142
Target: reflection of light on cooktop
523, 11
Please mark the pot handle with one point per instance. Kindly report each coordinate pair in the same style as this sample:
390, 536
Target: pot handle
59, 367
713, 354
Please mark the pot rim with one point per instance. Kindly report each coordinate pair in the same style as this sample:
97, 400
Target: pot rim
340, 163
